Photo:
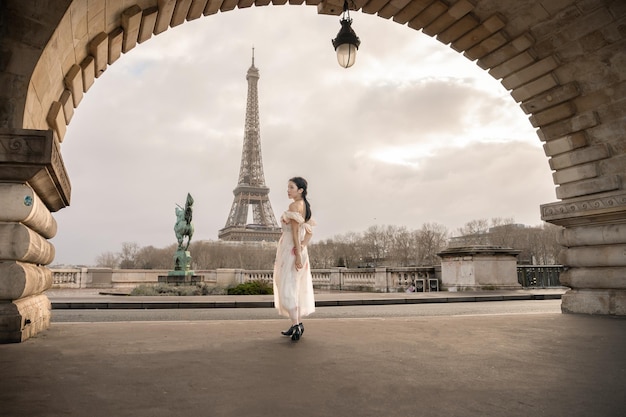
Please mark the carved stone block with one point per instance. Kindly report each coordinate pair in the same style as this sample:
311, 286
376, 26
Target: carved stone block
33, 157
24, 318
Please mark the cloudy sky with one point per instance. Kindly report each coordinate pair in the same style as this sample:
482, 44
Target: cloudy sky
414, 133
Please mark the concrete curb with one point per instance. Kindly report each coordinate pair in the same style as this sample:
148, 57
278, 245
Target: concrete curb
177, 303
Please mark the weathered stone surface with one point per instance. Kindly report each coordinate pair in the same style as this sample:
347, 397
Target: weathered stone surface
458, 29
587, 211
588, 301
578, 157
213, 6
530, 73
551, 98
593, 235
88, 68
19, 243
20, 203
576, 173
565, 144
425, 18
19, 280
116, 39
594, 256
411, 10
228, 5
99, 49
56, 119
196, 9
148, 20
487, 28
180, 12
574, 124
553, 114
24, 318
74, 83
457, 11
68, 105
512, 65
598, 278
487, 46
166, 10
33, 156
479, 267
507, 52
533, 88
392, 7
587, 187
131, 20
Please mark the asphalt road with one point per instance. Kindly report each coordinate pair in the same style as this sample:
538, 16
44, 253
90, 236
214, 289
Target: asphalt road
382, 311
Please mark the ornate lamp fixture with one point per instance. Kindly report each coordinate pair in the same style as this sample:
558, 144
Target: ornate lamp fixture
346, 43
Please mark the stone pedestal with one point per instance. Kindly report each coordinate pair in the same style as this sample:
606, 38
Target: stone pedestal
181, 279
182, 273
479, 268
594, 252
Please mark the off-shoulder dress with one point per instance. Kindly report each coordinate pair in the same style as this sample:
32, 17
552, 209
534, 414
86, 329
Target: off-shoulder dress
293, 289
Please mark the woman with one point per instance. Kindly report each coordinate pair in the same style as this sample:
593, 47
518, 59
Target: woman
293, 284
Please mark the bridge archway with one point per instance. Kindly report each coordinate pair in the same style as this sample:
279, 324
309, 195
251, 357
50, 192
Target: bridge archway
564, 63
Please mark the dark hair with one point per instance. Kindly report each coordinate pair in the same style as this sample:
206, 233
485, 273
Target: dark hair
302, 184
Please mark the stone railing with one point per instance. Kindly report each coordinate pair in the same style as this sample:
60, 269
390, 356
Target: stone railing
67, 278
381, 279
384, 279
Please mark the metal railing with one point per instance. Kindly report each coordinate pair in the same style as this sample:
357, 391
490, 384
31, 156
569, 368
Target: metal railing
539, 276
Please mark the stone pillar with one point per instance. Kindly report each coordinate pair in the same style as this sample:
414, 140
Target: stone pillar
479, 267
229, 277
594, 253
34, 184
335, 278
381, 283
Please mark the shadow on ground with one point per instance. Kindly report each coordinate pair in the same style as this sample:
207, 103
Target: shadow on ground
517, 365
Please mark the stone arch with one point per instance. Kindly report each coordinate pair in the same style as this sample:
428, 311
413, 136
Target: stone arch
564, 62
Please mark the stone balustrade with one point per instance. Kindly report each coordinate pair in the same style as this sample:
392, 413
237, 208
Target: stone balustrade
382, 279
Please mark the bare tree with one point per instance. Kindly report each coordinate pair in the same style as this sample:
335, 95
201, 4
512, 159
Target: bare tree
108, 260
474, 233
392, 245
432, 239
505, 232
128, 255
150, 257
545, 248
402, 247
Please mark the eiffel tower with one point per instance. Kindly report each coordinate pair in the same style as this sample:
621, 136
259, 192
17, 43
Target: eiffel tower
251, 189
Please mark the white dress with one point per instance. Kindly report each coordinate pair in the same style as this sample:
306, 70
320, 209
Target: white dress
293, 290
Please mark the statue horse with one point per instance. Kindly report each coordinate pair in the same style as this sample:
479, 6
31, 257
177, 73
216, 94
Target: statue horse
183, 226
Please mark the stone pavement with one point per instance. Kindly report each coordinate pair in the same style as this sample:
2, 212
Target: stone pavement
488, 365
105, 299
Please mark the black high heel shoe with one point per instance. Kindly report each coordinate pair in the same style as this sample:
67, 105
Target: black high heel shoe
301, 329
297, 332
290, 331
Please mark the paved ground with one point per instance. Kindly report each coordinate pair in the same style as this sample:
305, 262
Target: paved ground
94, 299
496, 365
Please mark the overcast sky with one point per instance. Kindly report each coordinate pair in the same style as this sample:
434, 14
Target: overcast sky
414, 133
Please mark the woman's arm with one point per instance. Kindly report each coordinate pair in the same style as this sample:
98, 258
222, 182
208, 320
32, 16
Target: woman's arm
307, 238
295, 228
